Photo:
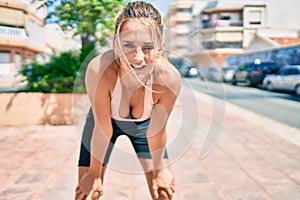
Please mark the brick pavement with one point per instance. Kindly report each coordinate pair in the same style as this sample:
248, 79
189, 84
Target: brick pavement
255, 158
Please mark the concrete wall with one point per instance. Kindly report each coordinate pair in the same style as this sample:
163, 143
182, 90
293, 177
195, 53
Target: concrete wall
283, 14
281, 56
19, 109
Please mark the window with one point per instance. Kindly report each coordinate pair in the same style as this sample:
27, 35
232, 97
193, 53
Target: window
255, 17
246, 67
4, 57
293, 71
283, 72
225, 17
269, 68
185, 10
4, 63
12, 17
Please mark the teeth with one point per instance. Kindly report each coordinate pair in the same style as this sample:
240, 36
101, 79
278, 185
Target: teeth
137, 66
140, 65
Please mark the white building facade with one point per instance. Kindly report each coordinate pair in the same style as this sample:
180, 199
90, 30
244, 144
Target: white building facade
21, 37
25, 37
222, 28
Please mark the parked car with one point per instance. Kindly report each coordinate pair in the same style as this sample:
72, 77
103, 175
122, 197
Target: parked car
287, 79
212, 74
253, 74
227, 74
189, 71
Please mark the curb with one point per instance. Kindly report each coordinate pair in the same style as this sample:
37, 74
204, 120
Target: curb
284, 131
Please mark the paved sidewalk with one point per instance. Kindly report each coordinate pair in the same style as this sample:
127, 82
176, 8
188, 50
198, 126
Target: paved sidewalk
255, 158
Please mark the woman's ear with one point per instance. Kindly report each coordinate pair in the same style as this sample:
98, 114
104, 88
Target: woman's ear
161, 50
113, 44
115, 47
160, 53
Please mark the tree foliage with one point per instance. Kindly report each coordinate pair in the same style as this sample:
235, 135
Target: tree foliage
94, 21
87, 17
56, 76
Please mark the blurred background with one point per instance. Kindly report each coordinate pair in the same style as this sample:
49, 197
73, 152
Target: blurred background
46, 45
240, 59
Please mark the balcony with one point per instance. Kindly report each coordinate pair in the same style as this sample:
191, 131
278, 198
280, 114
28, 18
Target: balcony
13, 33
225, 34
178, 6
183, 17
181, 52
181, 42
222, 37
14, 11
222, 17
181, 29
222, 23
177, 45
26, 2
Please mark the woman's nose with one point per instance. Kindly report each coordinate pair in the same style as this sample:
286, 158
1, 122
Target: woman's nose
139, 54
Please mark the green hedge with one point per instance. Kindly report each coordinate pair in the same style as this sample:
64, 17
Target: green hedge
56, 76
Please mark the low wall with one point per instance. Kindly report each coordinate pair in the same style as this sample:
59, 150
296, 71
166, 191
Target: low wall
19, 109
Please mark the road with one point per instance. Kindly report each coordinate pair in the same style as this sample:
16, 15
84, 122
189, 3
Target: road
250, 161
282, 107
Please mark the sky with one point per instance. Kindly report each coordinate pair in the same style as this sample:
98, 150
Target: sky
162, 6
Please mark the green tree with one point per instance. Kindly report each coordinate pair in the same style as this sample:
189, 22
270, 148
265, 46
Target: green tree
56, 76
93, 20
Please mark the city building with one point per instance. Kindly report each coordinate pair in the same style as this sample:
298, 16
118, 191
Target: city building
59, 41
226, 28
223, 28
21, 37
178, 20
25, 37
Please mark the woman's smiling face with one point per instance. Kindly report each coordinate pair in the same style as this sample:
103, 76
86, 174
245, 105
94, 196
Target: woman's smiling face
137, 44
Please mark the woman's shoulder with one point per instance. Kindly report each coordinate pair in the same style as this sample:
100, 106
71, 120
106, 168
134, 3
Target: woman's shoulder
168, 76
102, 63
101, 69
166, 69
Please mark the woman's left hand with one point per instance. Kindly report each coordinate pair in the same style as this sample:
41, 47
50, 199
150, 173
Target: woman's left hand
89, 188
163, 180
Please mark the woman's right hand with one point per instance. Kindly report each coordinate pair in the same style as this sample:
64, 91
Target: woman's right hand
163, 182
89, 187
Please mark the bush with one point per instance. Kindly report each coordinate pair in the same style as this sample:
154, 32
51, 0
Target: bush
56, 76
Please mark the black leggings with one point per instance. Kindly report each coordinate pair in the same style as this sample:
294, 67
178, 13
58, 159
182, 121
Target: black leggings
135, 131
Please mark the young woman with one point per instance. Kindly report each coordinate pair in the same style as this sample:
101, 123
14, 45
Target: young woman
132, 89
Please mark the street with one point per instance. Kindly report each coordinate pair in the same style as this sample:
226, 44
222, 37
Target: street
253, 157
223, 142
282, 107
